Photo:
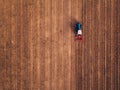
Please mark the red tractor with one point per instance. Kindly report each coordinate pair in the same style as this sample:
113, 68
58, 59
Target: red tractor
78, 34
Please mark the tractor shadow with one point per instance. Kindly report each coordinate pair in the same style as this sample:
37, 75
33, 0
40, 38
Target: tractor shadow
73, 26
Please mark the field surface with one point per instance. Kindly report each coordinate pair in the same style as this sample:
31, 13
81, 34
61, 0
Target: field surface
38, 50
